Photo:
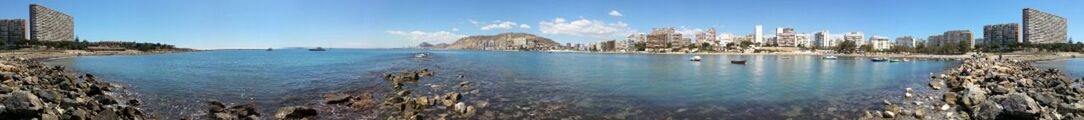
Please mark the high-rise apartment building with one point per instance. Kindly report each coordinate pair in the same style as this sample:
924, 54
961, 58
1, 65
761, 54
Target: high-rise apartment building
758, 34
823, 39
1043, 28
880, 43
855, 37
1001, 35
906, 42
12, 30
785, 37
50, 25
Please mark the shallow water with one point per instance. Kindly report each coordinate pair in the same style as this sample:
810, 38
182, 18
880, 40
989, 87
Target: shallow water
522, 84
1072, 67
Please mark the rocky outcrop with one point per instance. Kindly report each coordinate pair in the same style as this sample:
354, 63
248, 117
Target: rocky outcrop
504, 41
32, 90
295, 113
987, 89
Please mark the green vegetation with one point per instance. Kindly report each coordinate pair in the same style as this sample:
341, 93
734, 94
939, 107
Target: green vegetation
84, 45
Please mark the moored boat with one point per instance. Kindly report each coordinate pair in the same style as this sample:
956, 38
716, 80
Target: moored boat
878, 59
737, 61
831, 57
695, 58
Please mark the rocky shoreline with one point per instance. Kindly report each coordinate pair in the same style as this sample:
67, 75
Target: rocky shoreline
32, 90
989, 88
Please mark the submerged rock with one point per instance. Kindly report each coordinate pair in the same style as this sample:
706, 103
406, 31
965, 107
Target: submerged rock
295, 113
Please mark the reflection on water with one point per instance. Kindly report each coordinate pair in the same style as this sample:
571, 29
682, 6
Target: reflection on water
588, 85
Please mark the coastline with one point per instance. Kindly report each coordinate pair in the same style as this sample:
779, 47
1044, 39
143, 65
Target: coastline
34, 90
991, 88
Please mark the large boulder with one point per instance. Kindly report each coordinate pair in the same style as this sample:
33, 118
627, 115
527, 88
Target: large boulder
985, 111
22, 103
973, 95
295, 113
1019, 105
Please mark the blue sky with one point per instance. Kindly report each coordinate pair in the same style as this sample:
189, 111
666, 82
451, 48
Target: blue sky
218, 24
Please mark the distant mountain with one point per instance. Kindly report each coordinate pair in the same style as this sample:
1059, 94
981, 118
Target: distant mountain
425, 45
504, 41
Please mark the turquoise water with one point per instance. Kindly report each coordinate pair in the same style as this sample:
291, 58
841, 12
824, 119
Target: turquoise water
534, 83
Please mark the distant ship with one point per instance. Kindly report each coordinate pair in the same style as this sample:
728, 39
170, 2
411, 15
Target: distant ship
268, 49
318, 49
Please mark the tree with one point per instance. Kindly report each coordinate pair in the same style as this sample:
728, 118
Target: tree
965, 46
846, 46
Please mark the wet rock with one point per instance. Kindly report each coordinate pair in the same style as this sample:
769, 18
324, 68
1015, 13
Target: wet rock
337, 98
460, 107
363, 102
889, 114
936, 84
1019, 105
134, 102
422, 100
295, 113
219, 111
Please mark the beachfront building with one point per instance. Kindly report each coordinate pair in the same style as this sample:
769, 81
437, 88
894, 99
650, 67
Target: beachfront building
708, 36
660, 38
934, 40
803, 40
906, 42
823, 39
952, 37
880, 43
1001, 35
725, 38
50, 25
855, 37
1044, 28
12, 30
785, 37
960, 37
758, 34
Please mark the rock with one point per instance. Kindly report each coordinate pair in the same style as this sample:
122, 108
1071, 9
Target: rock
986, 111
950, 98
460, 107
363, 102
337, 98
295, 113
422, 100
936, 84
216, 107
1019, 105
973, 96
945, 107
22, 103
404, 93
889, 114
134, 102
919, 114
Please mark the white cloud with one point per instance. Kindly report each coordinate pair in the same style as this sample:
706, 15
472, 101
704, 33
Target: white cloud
498, 24
615, 13
455, 29
431, 37
585, 27
472, 21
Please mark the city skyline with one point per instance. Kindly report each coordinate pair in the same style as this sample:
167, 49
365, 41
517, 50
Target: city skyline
389, 24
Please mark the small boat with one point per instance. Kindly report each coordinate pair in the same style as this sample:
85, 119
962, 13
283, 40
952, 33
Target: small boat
318, 49
737, 62
879, 59
421, 55
895, 60
695, 58
268, 49
831, 57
